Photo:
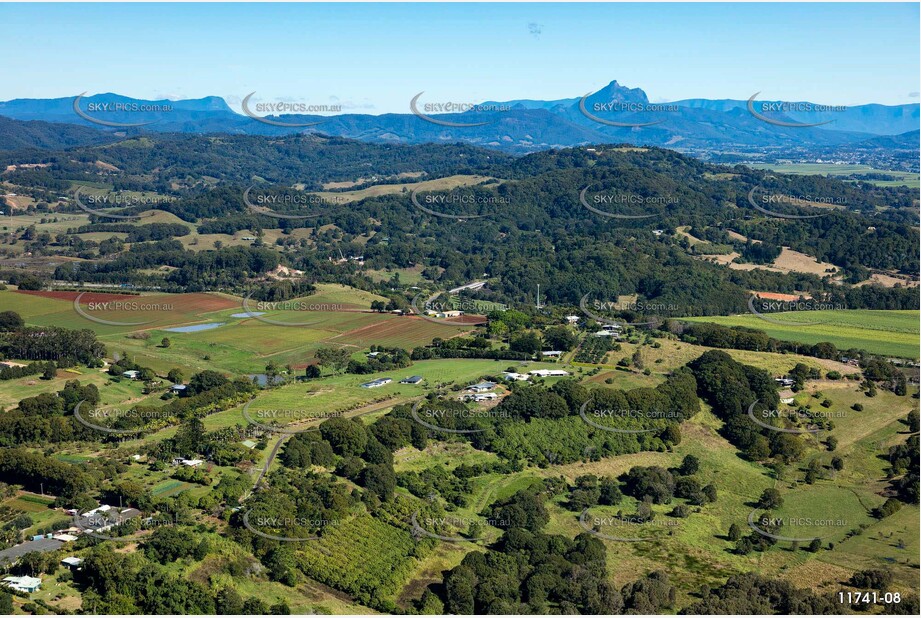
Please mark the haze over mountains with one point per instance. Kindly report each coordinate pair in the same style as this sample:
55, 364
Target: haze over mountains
692, 125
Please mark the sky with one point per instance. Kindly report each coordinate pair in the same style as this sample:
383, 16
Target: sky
375, 58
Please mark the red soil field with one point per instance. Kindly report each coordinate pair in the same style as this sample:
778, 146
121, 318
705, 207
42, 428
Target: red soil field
88, 297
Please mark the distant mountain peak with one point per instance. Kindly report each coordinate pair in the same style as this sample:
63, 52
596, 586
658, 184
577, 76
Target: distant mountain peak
619, 94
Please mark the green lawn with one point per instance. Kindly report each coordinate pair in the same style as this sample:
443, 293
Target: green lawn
908, 179
880, 332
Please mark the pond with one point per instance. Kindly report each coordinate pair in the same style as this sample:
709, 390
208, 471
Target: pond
194, 328
262, 379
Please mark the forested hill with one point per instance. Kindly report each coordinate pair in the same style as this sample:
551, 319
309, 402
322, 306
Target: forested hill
18, 135
554, 218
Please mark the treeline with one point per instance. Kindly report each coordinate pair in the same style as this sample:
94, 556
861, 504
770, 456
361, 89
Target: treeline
48, 417
8, 372
543, 425
52, 343
730, 388
540, 215
37, 472
530, 572
137, 583
744, 338
754, 594
229, 267
137, 233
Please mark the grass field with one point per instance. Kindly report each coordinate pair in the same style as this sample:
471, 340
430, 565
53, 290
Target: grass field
438, 184
880, 332
908, 179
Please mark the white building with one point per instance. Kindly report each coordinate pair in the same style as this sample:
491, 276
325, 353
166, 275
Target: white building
480, 397
24, 583
545, 373
516, 377
482, 387
552, 354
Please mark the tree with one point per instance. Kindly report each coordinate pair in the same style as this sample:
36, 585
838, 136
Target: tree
10, 320
710, 492
735, 533
689, 465
560, 338
380, 479
638, 359
815, 545
175, 375
50, 371
610, 493
165, 342
529, 343
6, 603
346, 436
205, 381
229, 602
672, 434
770, 499
335, 358
313, 372
837, 463
254, 605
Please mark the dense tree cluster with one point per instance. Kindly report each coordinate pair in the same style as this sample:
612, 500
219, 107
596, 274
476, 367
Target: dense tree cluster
731, 388
750, 593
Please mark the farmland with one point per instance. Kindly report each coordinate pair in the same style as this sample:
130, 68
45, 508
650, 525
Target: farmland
892, 333
907, 179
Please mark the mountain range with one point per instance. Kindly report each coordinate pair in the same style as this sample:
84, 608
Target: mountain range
691, 125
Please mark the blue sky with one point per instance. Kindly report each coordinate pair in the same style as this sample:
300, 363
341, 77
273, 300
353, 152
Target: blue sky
374, 58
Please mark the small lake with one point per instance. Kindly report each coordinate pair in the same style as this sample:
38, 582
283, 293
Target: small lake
263, 380
194, 328
248, 315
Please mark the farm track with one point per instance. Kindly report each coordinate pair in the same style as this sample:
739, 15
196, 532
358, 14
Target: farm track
358, 412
